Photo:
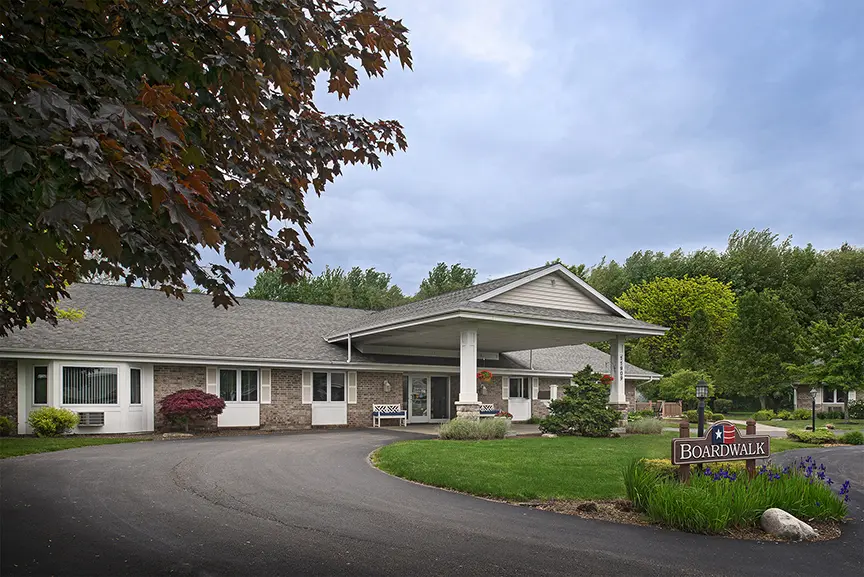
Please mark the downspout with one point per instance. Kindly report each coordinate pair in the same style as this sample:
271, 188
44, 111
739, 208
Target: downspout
531, 359
349, 347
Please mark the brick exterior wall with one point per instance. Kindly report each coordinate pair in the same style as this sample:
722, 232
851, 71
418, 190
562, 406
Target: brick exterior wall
630, 394
370, 390
286, 410
9, 389
169, 379
539, 407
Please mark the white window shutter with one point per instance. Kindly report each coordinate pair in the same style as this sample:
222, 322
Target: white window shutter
851, 396
265, 386
505, 388
352, 387
306, 389
818, 395
213, 381
535, 387
553, 392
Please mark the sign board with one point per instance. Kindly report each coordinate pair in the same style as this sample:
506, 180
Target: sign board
723, 442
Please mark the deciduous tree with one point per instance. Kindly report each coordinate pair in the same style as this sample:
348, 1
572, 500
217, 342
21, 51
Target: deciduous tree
143, 131
832, 355
443, 279
759, 343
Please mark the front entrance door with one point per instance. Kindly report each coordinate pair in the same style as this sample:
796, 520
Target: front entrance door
428, 398
418, 399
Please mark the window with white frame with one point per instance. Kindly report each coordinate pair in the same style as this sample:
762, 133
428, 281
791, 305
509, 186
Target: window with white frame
328, 387
238, 385
135, 386
519, 387
833, 395
40, 385
89, 385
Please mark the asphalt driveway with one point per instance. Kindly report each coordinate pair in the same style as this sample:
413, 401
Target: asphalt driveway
310, 504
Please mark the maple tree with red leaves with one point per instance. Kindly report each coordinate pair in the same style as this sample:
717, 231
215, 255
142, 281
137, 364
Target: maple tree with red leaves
134, 134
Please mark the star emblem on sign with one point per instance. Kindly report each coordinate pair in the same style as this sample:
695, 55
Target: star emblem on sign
718, 433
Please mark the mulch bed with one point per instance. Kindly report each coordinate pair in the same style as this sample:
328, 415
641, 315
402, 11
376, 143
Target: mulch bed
621, 511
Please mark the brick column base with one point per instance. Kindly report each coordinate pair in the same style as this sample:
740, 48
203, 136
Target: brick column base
467, 410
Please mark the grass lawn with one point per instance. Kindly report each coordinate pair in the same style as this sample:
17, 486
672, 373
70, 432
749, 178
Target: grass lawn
852, 425
527, 468
17, 446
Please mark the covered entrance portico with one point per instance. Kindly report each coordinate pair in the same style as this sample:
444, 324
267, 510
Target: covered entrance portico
541, 309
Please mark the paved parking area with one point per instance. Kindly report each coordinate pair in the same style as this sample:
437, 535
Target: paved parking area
310, 504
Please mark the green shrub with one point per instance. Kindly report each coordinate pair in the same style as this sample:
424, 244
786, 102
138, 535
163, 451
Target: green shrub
474, 430
7, 426
666, 469
719, 499
817, 437
763, 415
722, 405
856, 409
801, 415
783, 414
853, 438
52, 421
644, 427
693, 415
718, 417
830, 414
583, 409
644, 413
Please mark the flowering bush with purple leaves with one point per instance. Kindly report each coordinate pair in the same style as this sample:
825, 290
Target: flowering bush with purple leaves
719, 499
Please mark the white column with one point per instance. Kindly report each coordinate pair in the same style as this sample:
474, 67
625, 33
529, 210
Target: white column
468, 366
616, 363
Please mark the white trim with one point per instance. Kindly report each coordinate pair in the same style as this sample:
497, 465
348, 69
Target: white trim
597, 296
505, 317
140, 402
266, 386
329, 400
420, 352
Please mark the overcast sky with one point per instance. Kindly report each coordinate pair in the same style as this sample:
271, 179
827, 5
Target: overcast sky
578, 129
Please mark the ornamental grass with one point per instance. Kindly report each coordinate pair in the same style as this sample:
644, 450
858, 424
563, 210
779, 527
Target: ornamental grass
719, 500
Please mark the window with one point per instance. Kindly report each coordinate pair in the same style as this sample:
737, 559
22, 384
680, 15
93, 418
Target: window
328, 387
519, 387
832, 396
544, 395
238, 384
89, 386
135, 386
40, 385
248, 385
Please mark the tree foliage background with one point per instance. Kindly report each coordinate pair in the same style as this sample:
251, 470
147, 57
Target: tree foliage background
132, 134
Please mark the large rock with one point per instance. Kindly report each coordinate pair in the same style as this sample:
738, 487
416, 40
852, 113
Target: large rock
781, 524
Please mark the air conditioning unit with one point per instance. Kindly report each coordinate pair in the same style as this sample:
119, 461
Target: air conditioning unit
91, 419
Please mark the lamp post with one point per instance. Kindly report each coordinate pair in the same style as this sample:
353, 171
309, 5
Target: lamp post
813, 392
701, 394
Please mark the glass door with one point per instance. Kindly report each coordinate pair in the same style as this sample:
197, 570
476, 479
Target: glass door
418, 406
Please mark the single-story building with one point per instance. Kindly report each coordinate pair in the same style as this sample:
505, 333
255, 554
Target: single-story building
284, 365
827, 398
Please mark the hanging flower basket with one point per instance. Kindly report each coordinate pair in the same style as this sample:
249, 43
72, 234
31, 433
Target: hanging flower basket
606, 379
484, 376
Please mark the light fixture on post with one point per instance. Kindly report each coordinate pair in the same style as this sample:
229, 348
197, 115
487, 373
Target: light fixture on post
813, 391
701, 394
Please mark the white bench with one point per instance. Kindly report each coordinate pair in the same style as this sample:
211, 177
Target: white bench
488, 410
389, 412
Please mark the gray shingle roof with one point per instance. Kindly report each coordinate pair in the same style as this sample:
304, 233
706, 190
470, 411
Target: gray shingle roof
132, 321
435, 305
460, 300
136, 320
573, 358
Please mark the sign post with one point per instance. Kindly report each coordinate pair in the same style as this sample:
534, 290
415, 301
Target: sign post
722, 442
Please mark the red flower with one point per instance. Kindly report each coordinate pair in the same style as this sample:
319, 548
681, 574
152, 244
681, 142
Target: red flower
484, 376
606, 379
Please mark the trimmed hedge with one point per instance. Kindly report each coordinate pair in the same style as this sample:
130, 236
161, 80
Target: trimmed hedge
52, 421
817, 437
474, 430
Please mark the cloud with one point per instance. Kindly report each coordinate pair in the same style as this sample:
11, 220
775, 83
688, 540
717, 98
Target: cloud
552, 129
